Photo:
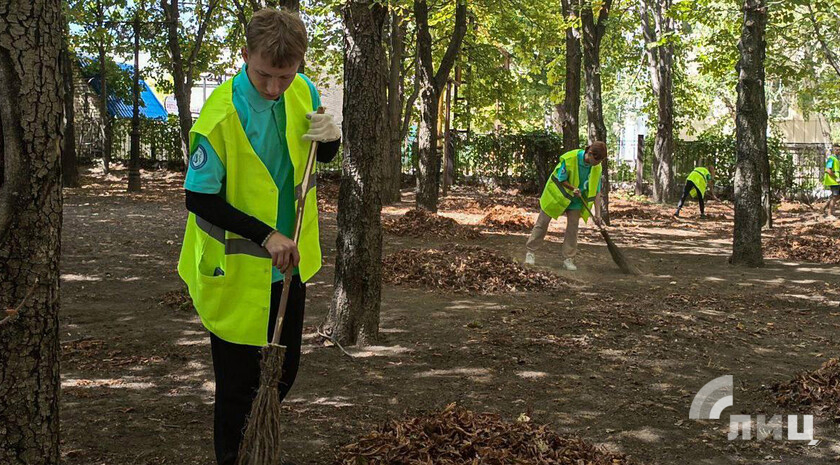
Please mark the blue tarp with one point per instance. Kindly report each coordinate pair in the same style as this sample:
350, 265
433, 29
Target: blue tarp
150, 106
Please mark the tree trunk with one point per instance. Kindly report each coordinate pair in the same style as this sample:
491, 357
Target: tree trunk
31, 107
448, 153
640, 164
354, 314
570, 110
751, 132
655, 25
431, 84
69, 170
134, 157
392, 168
593, 32
107, 129
182, 78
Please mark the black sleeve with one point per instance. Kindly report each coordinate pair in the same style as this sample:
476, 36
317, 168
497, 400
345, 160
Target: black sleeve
219, 213
328, 150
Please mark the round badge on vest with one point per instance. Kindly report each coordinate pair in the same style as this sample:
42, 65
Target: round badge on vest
199, 158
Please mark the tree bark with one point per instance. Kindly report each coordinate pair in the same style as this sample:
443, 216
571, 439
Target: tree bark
431, 84
656, 25
183, 74
134, 157
751, 134
107, 129
31, 114
69, 169
354, 314
593, 32
569, 111
392, 168
640, 164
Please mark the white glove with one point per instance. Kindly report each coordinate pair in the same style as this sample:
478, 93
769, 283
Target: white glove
322, 128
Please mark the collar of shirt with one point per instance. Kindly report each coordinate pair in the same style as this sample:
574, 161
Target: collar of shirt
255, 100
582, 160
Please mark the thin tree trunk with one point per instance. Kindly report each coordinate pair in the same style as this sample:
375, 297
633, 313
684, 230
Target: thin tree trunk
569, 111
593, 32
183, 71
354, 314
392, 168
448, 153
31, 107
655, 25
107, 127
69, 170
751, 132
431, 85
134, 157
640, 164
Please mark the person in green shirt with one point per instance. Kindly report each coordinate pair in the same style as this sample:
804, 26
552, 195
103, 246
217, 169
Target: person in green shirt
831, 180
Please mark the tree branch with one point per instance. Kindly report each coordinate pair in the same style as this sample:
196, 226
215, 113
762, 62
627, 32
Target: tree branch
454, 47
199, 37
828, 53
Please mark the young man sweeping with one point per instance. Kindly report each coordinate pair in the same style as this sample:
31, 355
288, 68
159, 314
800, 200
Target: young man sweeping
695, 186
576, 179
831, 180
249, 146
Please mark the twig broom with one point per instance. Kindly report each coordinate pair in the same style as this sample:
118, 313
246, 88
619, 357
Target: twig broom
616, 254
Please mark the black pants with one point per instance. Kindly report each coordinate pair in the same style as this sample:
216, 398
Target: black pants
237, 369
687, 191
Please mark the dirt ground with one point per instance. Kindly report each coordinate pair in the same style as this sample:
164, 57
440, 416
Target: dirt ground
614, 359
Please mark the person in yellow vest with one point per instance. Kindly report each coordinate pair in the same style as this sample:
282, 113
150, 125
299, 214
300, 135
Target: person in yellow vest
576, 179
695, 186
831, 180
249, 147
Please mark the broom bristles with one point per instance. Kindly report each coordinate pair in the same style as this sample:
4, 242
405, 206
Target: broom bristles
261, 441
618, 257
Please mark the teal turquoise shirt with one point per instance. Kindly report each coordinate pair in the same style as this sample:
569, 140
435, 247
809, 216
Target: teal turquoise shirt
583, 179
264, 122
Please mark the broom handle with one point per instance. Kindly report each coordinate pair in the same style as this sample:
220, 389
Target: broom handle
597, 223
287, 277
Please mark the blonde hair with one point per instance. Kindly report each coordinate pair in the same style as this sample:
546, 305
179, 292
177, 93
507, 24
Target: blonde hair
278, 35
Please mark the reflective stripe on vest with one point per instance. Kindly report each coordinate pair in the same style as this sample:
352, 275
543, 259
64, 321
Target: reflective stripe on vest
228, 276
556, 198
828, 181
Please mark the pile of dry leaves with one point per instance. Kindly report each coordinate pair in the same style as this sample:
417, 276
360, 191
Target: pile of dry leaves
811, 243
509, 218
813, 391
179, 299
464, 269
421, 223
457, 436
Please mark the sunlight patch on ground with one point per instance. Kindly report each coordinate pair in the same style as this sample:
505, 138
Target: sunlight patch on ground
661, 387
192, 342
335, 401
128, 279
378, 351
475, 374
644, 435
713, 278
117, 383
532, 374
392, 330
78, 277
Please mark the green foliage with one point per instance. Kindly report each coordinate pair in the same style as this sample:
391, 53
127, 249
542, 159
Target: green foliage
522, 158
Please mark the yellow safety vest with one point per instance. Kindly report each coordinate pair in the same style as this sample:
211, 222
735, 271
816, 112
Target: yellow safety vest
556, 198
234, 304
828, 181
699, 177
